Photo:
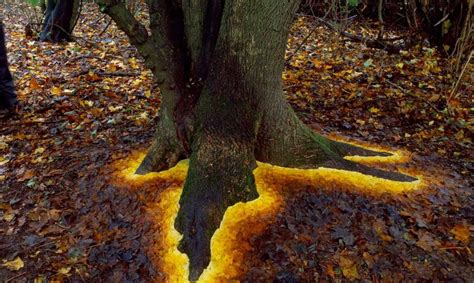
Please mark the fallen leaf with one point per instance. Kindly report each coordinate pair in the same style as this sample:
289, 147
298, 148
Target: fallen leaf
27, 175
374, 110
56, 90
34, 84
330, 270
8, 216
15, 264
380, 229
349, 268
368, 63
461, 233
64, 270
426, 242
39, 150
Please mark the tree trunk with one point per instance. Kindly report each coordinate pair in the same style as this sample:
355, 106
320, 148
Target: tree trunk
219, 66
59, 20
7, 89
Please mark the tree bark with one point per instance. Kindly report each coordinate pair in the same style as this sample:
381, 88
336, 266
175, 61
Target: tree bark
219, 66
59, 20
8, 98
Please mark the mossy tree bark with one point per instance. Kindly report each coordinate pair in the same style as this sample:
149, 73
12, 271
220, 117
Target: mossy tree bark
219, 65
59, 19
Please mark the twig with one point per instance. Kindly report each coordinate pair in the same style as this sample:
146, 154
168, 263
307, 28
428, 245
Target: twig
78, 15
456, 248
300, 45
442, 20
106, 27
453, 91
304, 40
15, 277
99, 19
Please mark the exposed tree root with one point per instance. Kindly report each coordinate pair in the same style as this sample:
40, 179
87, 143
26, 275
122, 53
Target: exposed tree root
221, 165
165, 151
345, 149
366, 170
219, 176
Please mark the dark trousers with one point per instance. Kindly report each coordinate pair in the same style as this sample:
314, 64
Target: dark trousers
7, 88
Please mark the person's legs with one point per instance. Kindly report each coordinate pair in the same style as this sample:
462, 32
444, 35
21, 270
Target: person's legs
8, 98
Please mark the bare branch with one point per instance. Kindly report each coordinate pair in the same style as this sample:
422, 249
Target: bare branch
117, 10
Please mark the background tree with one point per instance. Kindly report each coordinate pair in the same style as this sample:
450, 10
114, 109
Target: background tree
219, 66
442, 21
59, 20
8, 98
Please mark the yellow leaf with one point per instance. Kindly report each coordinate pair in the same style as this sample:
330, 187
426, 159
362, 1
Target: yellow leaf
144, 116
461, 233
3, 161
137, 82
349, 268
39, 150
351, 272
112, 67
133, 63
115, 109
15, 264
64, 270
87, 103
56, 90
460, 135
8, 216
399, 65
40, 279
374, 110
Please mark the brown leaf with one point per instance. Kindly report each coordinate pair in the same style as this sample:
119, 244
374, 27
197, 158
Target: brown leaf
461, 233
34, 84
380, 228
426, 242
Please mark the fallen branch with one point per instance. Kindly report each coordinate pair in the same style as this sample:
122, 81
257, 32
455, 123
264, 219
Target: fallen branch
116, 74
372, 43
106, 74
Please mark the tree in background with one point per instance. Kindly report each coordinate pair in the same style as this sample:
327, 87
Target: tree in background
442, 20
219, 67
59, 20
7, 88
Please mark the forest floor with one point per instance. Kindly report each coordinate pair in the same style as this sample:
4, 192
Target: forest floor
91, 102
